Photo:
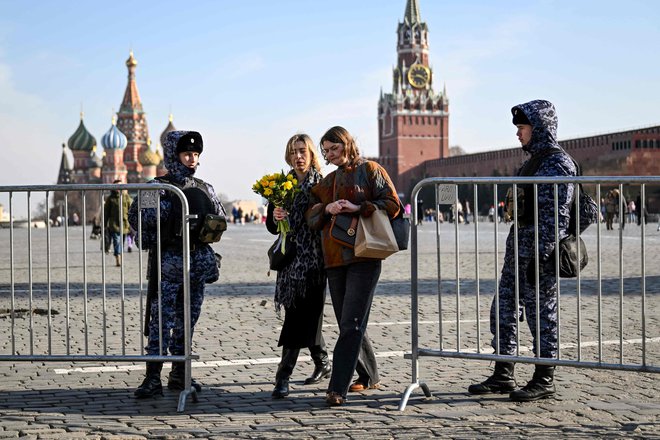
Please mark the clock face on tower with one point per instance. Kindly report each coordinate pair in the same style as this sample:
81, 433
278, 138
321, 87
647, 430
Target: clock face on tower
419, 75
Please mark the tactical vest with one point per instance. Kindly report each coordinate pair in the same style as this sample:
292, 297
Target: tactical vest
171, 230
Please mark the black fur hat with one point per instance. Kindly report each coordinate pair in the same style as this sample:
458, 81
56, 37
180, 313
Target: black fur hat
519, 117
191, 141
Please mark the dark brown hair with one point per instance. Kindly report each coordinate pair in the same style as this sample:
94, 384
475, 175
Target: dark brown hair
339, 135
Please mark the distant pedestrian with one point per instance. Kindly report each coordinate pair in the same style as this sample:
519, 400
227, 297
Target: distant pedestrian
115, 212
638, 211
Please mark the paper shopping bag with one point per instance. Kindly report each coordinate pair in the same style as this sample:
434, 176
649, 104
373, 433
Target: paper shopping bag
374, 238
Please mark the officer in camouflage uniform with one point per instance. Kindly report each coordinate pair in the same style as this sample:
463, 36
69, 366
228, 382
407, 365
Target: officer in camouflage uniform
181, 151
537, 131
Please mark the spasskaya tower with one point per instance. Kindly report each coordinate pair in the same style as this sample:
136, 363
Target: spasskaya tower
413, 120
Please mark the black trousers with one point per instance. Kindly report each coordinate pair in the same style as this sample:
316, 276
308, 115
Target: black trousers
352, 290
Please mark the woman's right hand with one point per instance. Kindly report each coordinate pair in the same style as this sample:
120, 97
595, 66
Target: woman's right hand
280, 214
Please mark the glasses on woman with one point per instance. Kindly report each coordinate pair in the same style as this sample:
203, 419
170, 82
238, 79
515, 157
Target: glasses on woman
335, 148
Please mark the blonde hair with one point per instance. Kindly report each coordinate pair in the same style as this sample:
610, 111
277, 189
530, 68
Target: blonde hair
339, 135
305, 139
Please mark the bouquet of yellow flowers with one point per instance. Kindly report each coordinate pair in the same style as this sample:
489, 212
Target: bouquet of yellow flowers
279, 189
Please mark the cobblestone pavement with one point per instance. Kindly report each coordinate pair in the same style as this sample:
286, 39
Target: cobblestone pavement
237, 335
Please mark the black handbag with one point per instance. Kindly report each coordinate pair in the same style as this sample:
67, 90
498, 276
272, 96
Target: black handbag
568, 257
279, 260
401, 228
343, 228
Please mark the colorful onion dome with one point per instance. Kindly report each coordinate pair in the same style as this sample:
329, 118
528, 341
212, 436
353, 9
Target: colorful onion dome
170, 127
81, 140
114, 139
148, 156
94, 160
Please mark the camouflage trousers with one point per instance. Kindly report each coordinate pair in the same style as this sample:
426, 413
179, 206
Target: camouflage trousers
173, 318
510, 314
203, 269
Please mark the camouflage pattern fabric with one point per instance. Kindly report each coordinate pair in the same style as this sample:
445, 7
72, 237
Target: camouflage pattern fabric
172, 300
543, 119
212, 229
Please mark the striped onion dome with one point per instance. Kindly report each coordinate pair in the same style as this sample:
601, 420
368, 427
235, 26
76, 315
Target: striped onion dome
114, 139
81, 140
148, 156
170, 127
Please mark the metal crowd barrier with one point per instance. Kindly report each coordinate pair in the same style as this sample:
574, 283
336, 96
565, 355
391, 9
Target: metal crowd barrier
607, 299
102, 310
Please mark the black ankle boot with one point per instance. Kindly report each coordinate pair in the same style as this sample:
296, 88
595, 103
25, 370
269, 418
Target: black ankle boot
151, 385
281, 388
322, 368
284, 370
502, 380
541, 386
176, 381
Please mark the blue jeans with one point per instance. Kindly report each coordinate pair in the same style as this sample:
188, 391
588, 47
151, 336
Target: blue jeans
116, 242
352, 290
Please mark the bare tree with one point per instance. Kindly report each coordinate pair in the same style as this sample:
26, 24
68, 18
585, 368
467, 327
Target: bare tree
41, 211
456, 150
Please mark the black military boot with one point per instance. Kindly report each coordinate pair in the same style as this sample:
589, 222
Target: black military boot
151, 385
322, 368
541, 386
502, 380
176, 381
284, 370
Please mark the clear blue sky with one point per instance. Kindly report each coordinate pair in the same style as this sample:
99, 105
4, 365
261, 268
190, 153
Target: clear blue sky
249, 74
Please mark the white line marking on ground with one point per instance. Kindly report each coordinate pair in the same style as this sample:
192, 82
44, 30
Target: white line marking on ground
379, 324
272, 361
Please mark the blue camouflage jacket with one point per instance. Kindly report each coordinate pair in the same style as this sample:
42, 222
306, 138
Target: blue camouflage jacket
543, 118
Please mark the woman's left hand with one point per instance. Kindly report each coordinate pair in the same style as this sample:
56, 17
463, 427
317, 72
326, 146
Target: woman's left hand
347, 206
280, 214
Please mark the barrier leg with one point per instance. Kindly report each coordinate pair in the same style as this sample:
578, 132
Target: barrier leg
410, 389
182, 398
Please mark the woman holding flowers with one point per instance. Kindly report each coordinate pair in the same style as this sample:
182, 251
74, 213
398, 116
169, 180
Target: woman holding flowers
357, 187
300, 286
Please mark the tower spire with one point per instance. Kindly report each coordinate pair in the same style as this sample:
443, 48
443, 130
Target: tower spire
131, 102
412, 12
131, 121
